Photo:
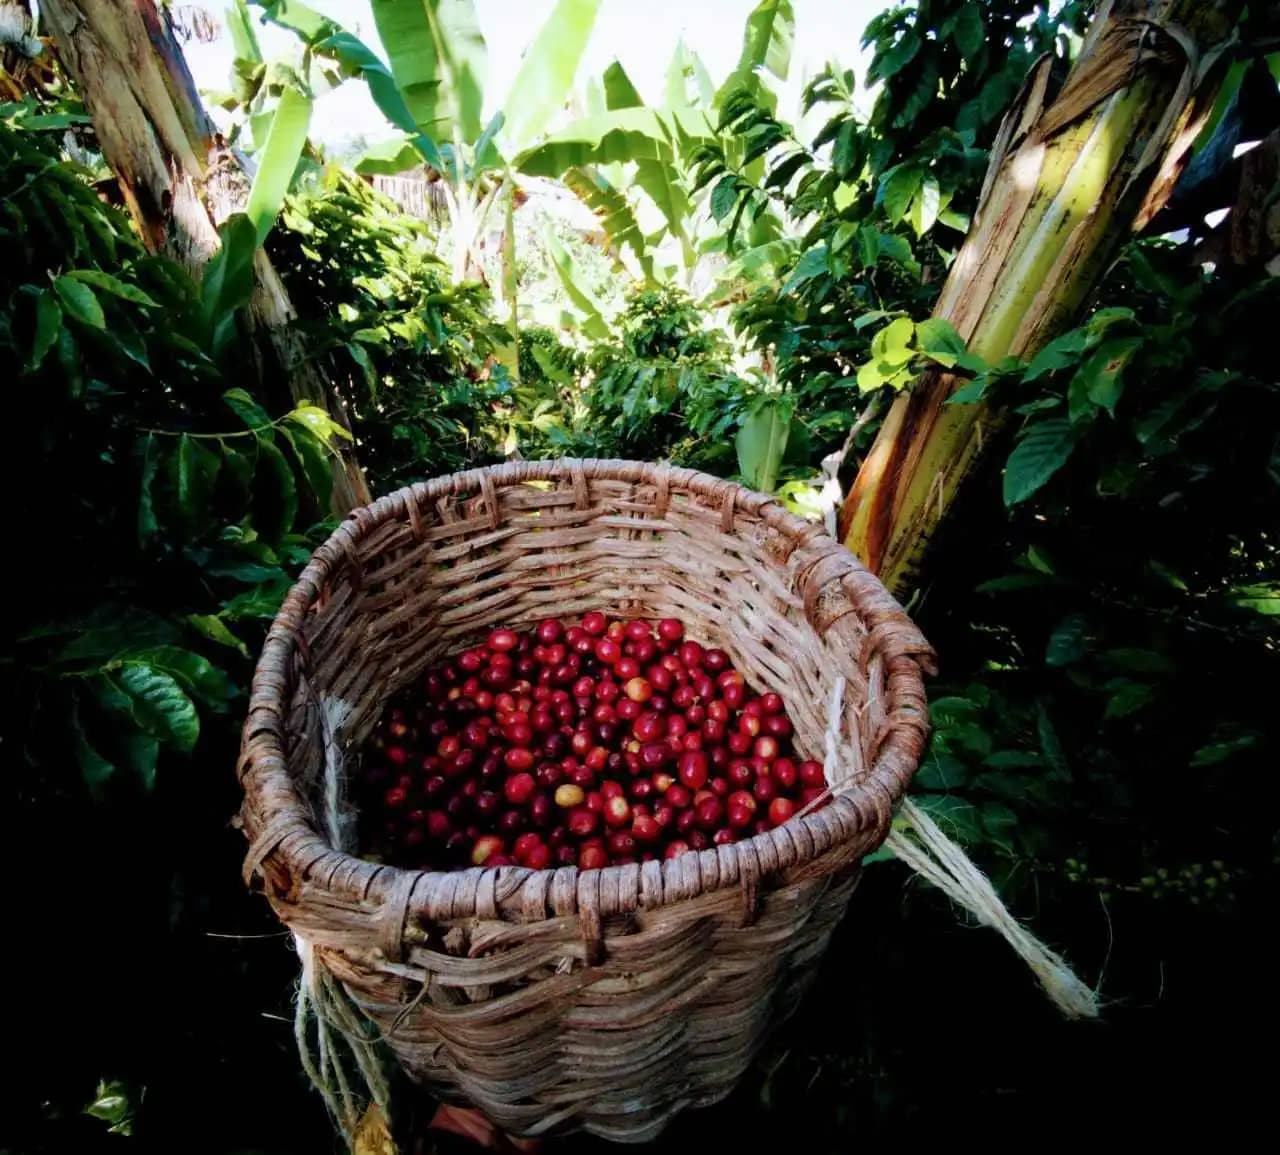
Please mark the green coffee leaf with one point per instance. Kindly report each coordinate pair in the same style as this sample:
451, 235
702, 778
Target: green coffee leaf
261, 604
999, 822
940, 771
193, 472
871, 376
80, 302
1014, 582
111, 1104
846, 153
802, 499
236, 478
970, 737
937, 335
896, 248
159, 705
1127, 697
1061, 353
199, 677
870, 317
1099, 378
94, 768
957, 817
1043, 449
1067, 642
812, 264
275, 492
314, 461
922, 93
951, 709
869, 246
1039, 560
1224, 748
48, 324
1015, 760
968, 31
898, 187
141, 754
242, 404
874, 374
1050, 743
215, 629
242, 569
781, 173
147, 524
894, 59
113, 285
360, 355
968, 393
925, 205
1103, 319
843, 236
724, 196
1260, 598
95, 637
318, 422
893, 342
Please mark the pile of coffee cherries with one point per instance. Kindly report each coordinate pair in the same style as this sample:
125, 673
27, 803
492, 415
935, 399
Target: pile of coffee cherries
589, 745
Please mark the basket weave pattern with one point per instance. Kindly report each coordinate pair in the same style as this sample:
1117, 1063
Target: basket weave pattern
602, 1000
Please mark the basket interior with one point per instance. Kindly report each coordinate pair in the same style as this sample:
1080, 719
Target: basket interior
452, 566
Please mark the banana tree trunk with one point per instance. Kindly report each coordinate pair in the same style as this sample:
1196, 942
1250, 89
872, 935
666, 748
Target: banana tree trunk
179, 180
510, 280
1068, 181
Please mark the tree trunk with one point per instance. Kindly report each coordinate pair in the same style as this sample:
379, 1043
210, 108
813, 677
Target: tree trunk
178, 178
1068, 181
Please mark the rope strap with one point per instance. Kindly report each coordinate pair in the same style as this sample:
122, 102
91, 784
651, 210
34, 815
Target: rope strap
337, 1053
936, 858
919, 842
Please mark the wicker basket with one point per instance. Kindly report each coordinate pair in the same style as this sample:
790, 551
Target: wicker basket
556, 1000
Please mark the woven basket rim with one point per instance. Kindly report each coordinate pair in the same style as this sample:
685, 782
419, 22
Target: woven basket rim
286, 834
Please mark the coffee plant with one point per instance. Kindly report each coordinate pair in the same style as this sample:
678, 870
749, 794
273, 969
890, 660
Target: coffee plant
174, 503
412, 353
168, 508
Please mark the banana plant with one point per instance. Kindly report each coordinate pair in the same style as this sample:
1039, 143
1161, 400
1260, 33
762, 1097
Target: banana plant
623, 144
258, 84
1070, 177
767, 41
762, 438
432, 89
438, 60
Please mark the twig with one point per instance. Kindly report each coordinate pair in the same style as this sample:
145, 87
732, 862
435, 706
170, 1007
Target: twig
869, 413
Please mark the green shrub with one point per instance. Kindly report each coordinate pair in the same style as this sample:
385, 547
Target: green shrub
412, 354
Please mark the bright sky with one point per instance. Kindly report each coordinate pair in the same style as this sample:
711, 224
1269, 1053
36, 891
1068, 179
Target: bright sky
640, 33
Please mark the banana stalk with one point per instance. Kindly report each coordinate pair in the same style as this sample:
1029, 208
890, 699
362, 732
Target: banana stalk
510, 355
1068, 181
